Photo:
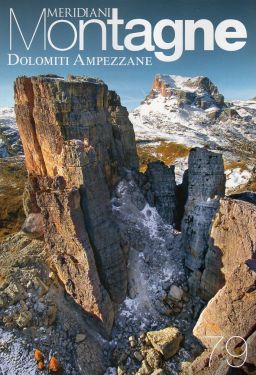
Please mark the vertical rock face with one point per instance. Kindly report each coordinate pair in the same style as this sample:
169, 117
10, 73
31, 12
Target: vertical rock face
74, 109
229, 278
206, 185
232, 241
235, 323
236, 301
161, 191
206, 175
77, 139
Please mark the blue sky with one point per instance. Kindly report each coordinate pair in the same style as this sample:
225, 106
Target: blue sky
233, 72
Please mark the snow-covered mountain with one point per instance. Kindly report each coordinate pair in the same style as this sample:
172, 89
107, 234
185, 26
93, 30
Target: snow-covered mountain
192, 112
10, 143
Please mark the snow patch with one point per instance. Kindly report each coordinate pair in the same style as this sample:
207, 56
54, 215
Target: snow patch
151, 219
7, 112
111, 371
237, 177
179, 82
14, 358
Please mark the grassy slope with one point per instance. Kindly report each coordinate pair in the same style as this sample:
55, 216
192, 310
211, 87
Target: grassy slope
167, 152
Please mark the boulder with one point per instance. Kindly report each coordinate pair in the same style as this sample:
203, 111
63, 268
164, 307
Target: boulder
34, 225
176, 293
153, 358
158, 371
145, 369
80, 337
166, 341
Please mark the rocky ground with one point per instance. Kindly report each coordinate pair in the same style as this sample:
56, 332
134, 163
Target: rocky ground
36, 314
157, 288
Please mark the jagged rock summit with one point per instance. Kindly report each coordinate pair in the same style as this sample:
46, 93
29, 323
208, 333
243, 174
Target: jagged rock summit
77, 141
198, 91
78, 109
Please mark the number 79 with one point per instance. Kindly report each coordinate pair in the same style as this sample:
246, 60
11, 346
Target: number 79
226, 346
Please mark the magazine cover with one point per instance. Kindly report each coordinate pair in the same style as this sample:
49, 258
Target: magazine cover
127, 187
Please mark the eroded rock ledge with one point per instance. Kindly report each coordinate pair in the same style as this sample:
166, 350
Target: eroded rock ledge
77, 140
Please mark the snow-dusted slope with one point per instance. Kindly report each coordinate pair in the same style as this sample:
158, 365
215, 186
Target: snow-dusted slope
9, 137
169, 113
246, 109
162, 119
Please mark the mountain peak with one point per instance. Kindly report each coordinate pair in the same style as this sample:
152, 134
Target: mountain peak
176, 82
199, 91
